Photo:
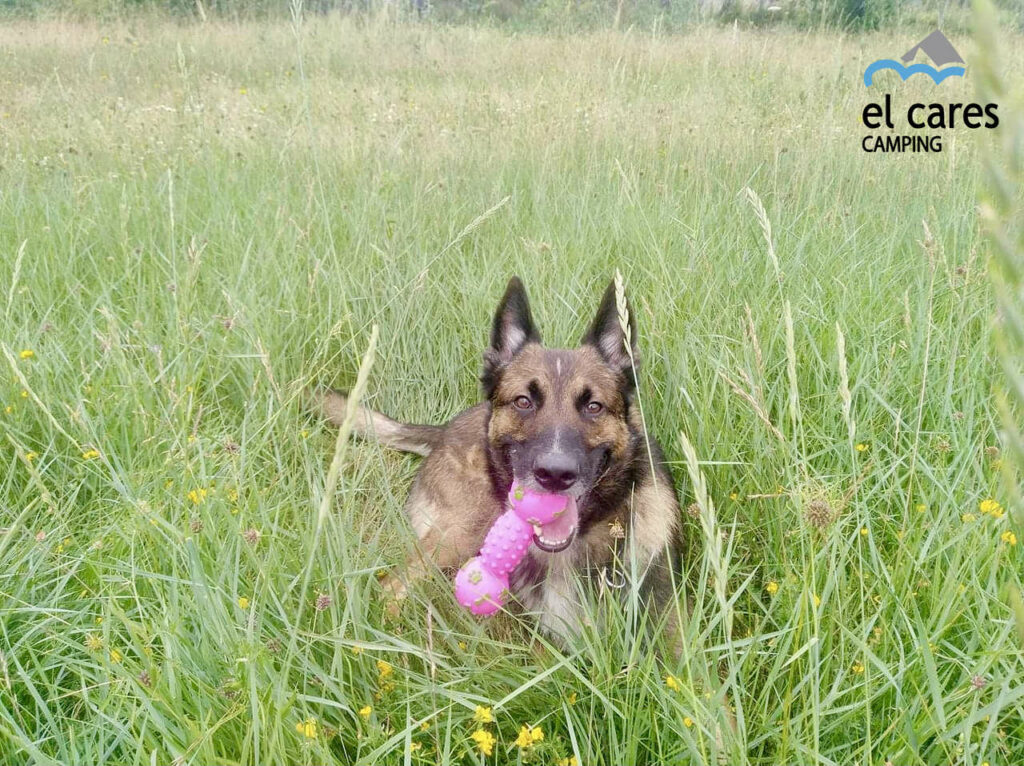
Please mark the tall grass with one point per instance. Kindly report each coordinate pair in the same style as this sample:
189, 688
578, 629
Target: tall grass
1005, 177
198, 222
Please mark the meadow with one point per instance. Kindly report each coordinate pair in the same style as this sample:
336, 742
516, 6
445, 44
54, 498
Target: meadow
199, 221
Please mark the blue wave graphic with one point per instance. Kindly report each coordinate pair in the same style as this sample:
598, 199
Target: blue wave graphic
938, 75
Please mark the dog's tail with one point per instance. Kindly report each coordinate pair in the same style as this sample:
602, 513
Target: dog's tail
408, 437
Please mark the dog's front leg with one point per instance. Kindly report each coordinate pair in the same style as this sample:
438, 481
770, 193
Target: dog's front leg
431, 550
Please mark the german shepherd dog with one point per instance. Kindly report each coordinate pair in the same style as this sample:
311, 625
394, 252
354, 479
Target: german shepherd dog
555, 420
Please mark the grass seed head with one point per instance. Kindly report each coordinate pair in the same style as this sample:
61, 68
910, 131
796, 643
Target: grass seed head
819, 514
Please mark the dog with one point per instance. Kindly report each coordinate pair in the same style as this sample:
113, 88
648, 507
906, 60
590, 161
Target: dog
554, 420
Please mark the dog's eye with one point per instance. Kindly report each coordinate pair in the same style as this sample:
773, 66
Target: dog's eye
593, 408
522, 403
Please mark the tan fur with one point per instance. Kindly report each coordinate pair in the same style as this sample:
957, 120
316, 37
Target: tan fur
652, 529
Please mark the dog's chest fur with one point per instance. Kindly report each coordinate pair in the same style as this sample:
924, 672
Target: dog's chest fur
548, 585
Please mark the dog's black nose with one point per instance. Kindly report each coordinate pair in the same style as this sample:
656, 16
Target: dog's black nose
556, 471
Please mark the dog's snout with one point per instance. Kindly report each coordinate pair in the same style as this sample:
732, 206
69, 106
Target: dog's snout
556, 471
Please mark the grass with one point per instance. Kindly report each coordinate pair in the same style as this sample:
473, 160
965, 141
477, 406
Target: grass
197, 222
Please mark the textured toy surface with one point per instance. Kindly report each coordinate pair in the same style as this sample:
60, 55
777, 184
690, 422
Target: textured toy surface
482, 584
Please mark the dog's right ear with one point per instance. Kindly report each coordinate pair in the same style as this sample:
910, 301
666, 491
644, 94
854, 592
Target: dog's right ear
512, 329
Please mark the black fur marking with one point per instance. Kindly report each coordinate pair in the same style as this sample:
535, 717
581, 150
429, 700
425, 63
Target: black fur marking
536, 394
584, 398
618, 482
528, 575
499, 467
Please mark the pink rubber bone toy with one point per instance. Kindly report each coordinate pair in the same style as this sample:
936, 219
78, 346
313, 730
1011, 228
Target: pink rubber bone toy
482, 584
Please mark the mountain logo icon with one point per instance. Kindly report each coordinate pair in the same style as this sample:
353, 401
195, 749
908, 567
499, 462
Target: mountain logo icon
936, 47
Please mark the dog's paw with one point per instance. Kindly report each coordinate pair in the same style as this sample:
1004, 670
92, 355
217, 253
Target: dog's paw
394, 587
393, 609
395, 593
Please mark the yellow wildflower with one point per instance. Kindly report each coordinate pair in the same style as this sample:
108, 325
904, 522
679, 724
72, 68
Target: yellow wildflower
8, 409
921, 507
463, 645
863, 531
384, 668
243, 602
687, 722
524, 740
356, 650
861, 447
425, 726
30, 455
482, 714
484, 741
734, 495
817, 599
303, 433
364, 712
24, 394
414, 746
672, 683
115, 656
772, 587
306, 728
965, 517
992, 508
572, 698
90, 454
197, 495
1008, 537
857, 667
27, 353
570, 761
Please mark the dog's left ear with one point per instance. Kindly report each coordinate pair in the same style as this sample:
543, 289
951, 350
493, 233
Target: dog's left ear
606, 334
512, 329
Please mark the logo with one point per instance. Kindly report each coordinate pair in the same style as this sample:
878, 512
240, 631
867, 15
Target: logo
919, 130
935, 46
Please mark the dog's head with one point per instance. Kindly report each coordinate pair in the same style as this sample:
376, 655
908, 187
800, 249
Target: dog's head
560, 419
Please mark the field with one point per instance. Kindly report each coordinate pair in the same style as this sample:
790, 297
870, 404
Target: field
197, 222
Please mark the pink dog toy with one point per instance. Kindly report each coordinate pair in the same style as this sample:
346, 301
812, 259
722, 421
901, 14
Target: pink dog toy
482, 584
